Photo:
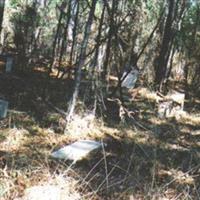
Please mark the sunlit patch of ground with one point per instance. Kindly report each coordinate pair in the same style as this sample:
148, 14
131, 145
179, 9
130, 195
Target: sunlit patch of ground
57, 187
191, 119
14, 139
149, 95
82, 126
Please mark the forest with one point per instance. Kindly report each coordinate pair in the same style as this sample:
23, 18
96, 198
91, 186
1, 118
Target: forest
99, 99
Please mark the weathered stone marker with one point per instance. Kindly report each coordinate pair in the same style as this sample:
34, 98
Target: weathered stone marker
171, 105
3, 108
77, 150
177, 97
130, 80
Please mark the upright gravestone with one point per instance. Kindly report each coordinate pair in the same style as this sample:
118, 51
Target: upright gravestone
3, 108
9, 64
130, 80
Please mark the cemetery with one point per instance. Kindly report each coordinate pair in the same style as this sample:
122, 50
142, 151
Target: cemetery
99, 100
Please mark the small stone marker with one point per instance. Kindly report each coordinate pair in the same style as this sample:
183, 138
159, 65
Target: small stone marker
177, 97
3, 108
171, 105
9, 64
164, 109
77, 150
130, 80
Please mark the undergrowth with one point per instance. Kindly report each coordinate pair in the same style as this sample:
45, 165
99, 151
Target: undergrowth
147, 158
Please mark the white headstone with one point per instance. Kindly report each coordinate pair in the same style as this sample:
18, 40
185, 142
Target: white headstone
77, 150
3, 108
130, 80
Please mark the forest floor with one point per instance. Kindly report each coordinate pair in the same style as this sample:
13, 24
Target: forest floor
149, 158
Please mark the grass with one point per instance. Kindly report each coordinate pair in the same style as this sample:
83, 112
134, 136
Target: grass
149, 158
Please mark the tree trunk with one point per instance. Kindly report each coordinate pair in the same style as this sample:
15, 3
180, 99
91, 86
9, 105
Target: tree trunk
81, 61
2, 5
56, 37
94, 63
162, 60
74, 20
64, 41
110, 35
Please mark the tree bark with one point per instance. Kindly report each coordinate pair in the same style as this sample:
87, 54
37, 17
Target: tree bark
162, 60
110, 35
64, 41
74, 18
56, 37
94, 63
81, 62
2, 5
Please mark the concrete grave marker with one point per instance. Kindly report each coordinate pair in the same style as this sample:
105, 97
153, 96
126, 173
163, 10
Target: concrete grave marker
171, 105
130, 80
77, 150
3, 108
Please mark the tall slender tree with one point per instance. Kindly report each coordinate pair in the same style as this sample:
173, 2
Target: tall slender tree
111, 13
2, 5
81, 61
162, 60
61, 9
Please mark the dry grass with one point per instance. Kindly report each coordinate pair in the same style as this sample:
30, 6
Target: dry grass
157, 160
28, 164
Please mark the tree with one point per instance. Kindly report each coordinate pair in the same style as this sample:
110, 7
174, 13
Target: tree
25, 21
2, 5
175, 12
81, 61
61, 9
161, 64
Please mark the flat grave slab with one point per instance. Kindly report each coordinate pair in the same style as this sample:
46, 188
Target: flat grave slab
77, 150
